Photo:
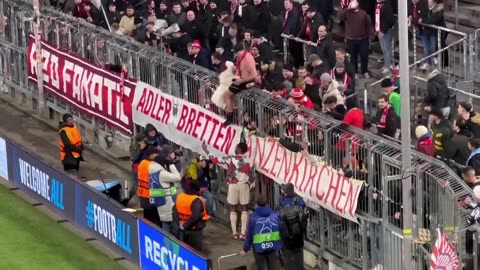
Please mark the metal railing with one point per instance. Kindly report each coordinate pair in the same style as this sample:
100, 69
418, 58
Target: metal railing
377, 161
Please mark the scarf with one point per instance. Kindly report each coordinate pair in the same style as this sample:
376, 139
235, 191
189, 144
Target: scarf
344, 4
239, 61
377, 16
123, 73
232, 8
308, 30
383, 120
336, 76
284, 23
476, 151
240, 10
195, 59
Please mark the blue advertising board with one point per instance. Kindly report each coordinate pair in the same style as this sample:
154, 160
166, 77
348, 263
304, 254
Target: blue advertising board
105, 220
3, 160
43, 182
160, 251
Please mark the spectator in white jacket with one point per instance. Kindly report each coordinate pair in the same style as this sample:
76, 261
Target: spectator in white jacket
330, 87
164, 178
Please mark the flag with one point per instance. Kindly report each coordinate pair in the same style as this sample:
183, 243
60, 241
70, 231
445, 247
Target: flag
444, 255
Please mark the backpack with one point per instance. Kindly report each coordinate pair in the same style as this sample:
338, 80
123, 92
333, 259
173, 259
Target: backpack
294, 220
266, 234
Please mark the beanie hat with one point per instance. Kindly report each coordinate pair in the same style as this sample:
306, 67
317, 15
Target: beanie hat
326, 77
297, 94
420, 131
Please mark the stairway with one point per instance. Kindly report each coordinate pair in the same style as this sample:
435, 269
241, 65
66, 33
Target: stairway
468, 14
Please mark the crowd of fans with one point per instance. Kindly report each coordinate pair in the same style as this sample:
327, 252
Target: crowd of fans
322, 78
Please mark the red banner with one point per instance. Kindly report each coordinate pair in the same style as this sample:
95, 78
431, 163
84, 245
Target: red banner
84, 86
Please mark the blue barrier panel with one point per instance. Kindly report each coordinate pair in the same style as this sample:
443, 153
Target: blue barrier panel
161, 251
42, 182
3, 160
105, 219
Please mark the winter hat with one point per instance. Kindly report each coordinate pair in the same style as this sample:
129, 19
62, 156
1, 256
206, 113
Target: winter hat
421, 131
326, 77
196, 44
297, 94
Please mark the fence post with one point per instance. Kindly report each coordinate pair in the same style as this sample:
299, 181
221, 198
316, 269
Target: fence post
465, 58
285, 50
38, 46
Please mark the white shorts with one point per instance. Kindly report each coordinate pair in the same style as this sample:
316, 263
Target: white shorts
238, 194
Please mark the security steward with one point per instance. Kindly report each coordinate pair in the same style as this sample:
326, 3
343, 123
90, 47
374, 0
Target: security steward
71, 146
190, 215
150, 212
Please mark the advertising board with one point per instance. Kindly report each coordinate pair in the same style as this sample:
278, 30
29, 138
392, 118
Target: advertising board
3, 159
43, 182
105, 220
160, 251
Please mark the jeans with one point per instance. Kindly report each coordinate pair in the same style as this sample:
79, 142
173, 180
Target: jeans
267, 260
356, 48
430, 44
293, 258
210, 202
386, 44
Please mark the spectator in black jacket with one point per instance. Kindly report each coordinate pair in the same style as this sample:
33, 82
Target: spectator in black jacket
386, 119
290, 26
384, 23
341, 56
245, 15
465, 111
218, 64
325, 47
178, 45
263, 17
200, 56
437, 93
310, 24
457, 150
474, 158
177, 16
112, 15
264, 47
195, 29
325, 7
417, 12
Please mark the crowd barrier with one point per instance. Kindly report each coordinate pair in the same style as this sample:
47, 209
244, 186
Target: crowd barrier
100, 217
351, 226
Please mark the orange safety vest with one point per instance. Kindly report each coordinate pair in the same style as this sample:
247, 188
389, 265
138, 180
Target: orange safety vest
75, 139
143, 182
184, 207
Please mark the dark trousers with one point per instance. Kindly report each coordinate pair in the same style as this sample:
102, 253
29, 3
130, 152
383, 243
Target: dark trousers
150, 213
296, 53
193, 239
72, 167
293, 258
359, 48
267, 260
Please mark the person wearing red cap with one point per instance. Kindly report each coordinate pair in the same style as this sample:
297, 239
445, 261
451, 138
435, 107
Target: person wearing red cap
199, 56
298, 99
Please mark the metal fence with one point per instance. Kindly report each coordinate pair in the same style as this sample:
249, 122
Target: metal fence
375, 240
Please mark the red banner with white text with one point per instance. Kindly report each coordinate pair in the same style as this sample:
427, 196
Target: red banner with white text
84, 86
189, 125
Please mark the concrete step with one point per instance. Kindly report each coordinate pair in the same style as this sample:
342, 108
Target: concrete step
477, 2
463, 19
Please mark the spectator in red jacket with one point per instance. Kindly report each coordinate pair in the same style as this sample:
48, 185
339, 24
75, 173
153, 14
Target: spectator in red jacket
299, 100
425, 141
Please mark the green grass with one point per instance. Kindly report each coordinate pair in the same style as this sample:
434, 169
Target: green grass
31, 240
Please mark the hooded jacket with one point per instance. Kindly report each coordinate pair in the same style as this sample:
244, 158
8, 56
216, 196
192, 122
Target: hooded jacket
442, 134
457, 149
167, 179
157, 140
261, 211
332, 90
425, 145
437, 90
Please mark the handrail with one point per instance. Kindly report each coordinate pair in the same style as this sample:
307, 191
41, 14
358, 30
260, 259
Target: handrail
297, 39
441, 28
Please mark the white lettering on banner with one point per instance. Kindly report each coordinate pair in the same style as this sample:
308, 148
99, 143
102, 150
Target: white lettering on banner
34, 179
165, 258
181, 121
82, 84
316, 182
105, 223
189, 125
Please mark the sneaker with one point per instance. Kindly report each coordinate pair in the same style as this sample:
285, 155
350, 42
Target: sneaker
366, 75
380, 60
424, 66
385, 71
435, 61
